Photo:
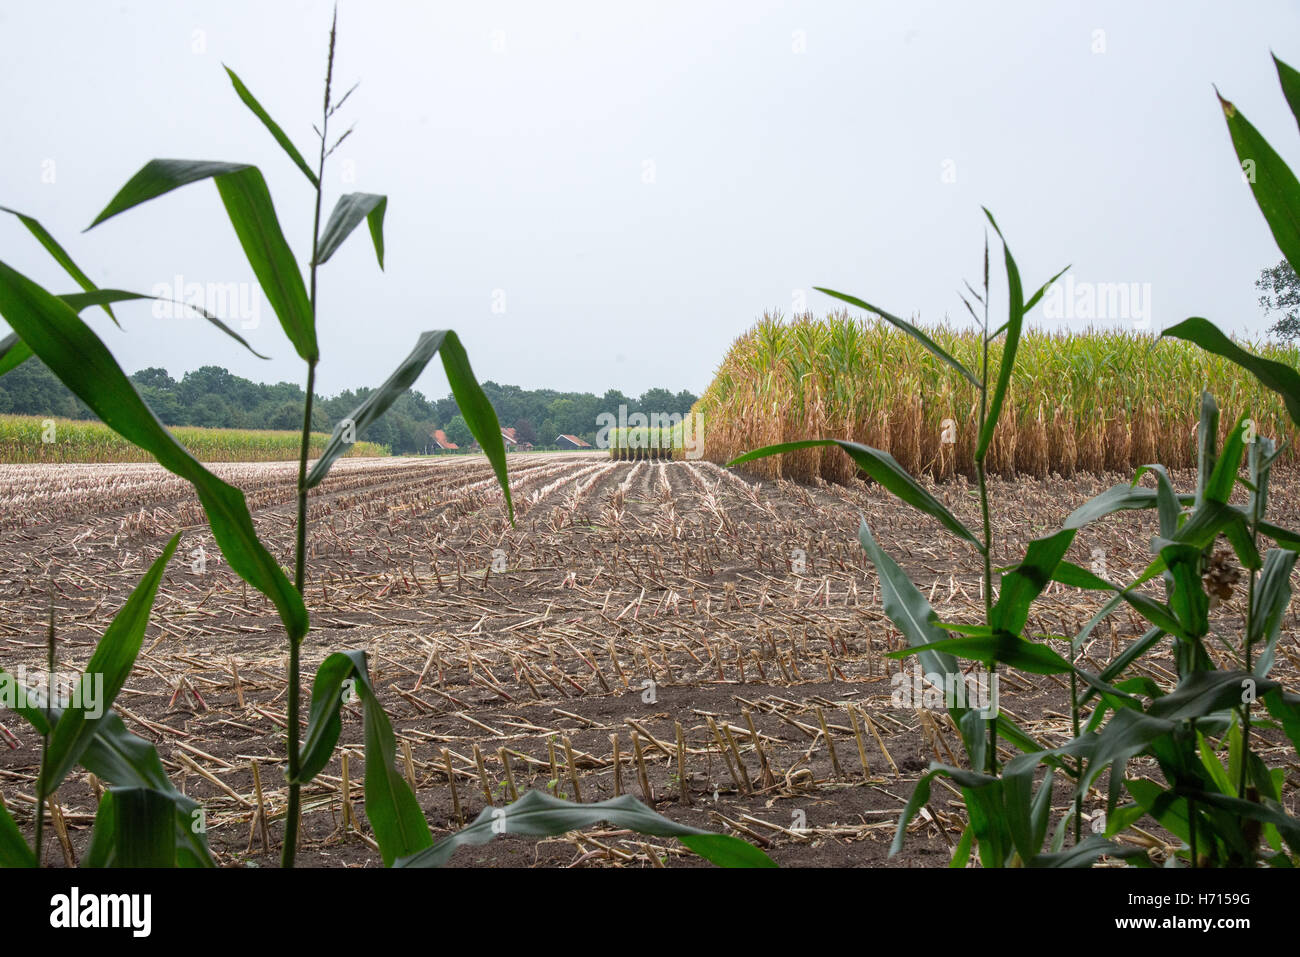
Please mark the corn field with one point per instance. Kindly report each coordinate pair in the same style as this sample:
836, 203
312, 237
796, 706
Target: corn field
27, 438
1098, 401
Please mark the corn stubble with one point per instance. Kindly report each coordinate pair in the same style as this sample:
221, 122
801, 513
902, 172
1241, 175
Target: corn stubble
1098, 401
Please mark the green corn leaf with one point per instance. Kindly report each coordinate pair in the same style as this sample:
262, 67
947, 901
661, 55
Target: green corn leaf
1213, 766
884, 469
1015, 320
248, 202
1157, 613
1281, 378
1167, 501
14, 851
909, 610
1286, 709
1224, 477
118, 757
1207, 441
79, 301
1286, 825
1068, 573
1023, 584
1274, 185
1284, 537
1127, 733
13, 352
324, 723
1290, 80
134, 827
1202, 693
536, 814
967, 780
1033, 300
252, 214
990, 645
1259, 461
348, 212
470, 398
77, 356
391, 807
1086, 853
1115, 499
106, 673
60, 256
961, 853
102, 850
1025, 812
1188, 600
285, 143
162, 176
1272, 596
935, 349
1040, 813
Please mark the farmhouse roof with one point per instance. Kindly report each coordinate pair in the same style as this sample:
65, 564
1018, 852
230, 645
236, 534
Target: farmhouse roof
575, 440
509, 436
440, 437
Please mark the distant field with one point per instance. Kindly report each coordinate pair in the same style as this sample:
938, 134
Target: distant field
1102, 400
30, 438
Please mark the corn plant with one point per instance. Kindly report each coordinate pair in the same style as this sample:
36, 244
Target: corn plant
133, 822
1008, 814
1079, 401
1221, 813
1001, 821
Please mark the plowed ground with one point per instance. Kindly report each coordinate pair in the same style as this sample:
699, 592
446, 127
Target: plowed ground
628, 597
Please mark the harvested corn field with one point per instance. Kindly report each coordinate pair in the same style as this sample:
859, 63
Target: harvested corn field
1084, 402
671, 630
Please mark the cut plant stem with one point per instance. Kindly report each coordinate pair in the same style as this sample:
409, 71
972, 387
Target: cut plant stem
451, 782
573, 770
681, 764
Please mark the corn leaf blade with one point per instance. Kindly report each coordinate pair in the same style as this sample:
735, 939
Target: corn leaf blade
1015, 321
541, 815
348, 213
14, 851
77, 356
273, 127
111, 663
1276, 190
252, 214
58, 252
884, 469
470, 398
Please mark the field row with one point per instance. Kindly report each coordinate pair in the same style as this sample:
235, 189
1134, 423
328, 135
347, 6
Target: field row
672, 630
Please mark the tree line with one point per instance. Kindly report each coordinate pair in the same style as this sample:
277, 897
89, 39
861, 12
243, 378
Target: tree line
214, 397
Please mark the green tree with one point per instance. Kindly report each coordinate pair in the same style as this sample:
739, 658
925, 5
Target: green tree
458, 431
1281, 298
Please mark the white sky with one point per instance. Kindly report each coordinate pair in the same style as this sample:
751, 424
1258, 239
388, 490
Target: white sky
522, 169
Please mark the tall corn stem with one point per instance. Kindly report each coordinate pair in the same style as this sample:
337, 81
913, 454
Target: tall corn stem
991, 758
45, 738
294, 811
1255, 519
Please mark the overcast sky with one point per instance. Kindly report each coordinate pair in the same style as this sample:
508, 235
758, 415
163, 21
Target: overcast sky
605, 195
